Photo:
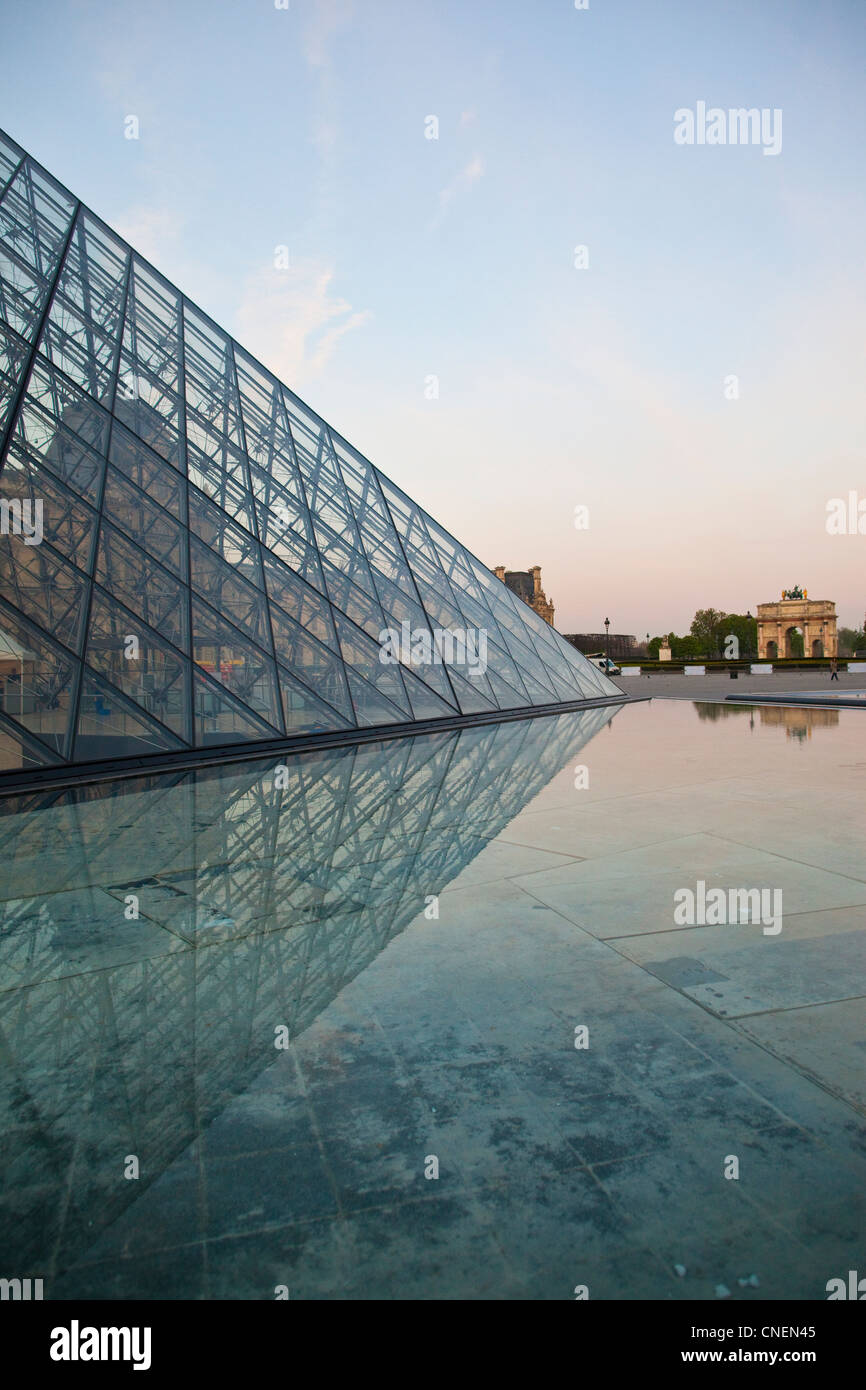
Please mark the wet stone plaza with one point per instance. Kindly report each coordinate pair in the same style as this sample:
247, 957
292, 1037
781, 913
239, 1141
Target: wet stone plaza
416, 1019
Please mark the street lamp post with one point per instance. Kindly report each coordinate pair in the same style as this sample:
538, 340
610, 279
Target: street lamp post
607, 641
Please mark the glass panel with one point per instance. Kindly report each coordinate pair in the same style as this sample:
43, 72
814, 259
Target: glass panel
145, 523
311, 662
13, 356
211, 390
34, 218
506, 696
226, 493
69, 406
84, 322
10, 157
143, 586
13, 353
278, 534
155, 306
228, 593
146, 669
342, 562
36, 681
362, 654
221, 719
110, 726
152, 414
18, 753
305, 605
90, 363
22, 295
39, 584
94, 273
225, 453
425, 703
46, 508
474, 696
371, 707
236, 547
364, 611
418, 636
65, 454
303, 713
227, 656
144, 468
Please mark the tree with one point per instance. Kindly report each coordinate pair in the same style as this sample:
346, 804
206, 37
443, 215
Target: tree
705, 628
742, 626
851, 640
687, 648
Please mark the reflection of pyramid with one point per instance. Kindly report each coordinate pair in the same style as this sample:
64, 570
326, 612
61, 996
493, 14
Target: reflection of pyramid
217, 565
259, 903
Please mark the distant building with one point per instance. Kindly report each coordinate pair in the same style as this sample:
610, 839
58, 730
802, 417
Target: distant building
621, 645
526, 584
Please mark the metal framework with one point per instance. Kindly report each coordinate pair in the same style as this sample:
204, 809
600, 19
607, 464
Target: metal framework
216, 565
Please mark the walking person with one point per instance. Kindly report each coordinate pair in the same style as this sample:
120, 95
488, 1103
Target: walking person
834, 674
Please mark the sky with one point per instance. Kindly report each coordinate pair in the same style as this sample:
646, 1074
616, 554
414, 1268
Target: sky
693, 379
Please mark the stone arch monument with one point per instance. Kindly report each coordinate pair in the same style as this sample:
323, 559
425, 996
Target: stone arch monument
795, 611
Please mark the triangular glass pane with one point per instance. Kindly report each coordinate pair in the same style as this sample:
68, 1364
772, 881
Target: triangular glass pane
36, 502
506, 696
303, 603
10, 157
227, 493
313, 663
19, 752
227, 592
143, 586
68, 405
35, 215
140, 663
221, 719
131, 457
44, 587
303, 713
425, 704
22, 295
38, 681
362, 608
68, 457
83, 325
145, 523
234, 545
371, 707
474, 695
110, 726
228, 657
13, 357
363, 655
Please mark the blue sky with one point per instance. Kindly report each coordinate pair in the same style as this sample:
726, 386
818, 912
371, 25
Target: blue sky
411, 258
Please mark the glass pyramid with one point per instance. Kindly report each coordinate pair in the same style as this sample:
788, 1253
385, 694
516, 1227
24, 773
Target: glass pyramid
189, 556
